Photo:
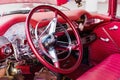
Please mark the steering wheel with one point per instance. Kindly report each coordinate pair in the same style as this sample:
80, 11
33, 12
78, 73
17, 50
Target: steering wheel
47, 41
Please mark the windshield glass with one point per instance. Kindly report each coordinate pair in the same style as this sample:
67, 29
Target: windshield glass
23, 7
6, 6
27, 1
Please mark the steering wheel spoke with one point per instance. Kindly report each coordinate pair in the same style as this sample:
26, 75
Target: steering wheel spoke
54, 59
52, 26
60, 45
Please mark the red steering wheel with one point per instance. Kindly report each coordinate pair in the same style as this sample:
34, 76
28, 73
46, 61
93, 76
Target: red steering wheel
51, 50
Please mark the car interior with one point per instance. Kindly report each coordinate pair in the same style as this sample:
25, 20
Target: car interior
46, 43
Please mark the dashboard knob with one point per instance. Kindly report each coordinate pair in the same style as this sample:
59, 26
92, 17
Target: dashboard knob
6, 48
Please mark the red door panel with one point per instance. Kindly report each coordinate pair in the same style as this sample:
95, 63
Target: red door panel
108, 41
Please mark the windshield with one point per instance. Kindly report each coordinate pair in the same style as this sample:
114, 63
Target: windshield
27, 1
23, 7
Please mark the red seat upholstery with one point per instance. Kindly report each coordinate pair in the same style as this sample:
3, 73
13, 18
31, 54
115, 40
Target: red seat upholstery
109, 69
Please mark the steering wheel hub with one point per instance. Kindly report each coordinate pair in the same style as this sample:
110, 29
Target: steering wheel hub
47, 41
